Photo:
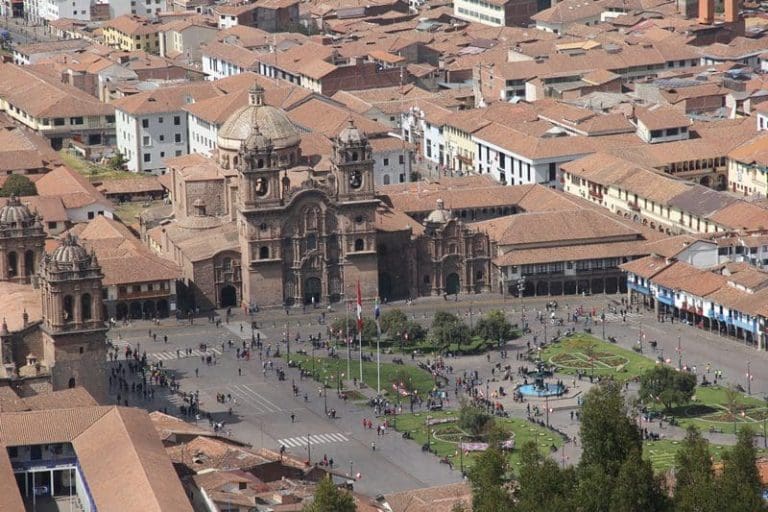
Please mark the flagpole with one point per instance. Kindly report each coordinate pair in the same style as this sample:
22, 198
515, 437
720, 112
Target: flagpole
360, 338
376, 314
347, 340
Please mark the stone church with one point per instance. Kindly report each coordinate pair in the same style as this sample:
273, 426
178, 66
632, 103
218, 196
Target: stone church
253, 226
53, 334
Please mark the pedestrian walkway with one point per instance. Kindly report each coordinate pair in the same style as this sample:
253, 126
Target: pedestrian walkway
615, 317
247, 395
169, 355
314, 439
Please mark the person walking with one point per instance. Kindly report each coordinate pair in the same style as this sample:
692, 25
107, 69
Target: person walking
293, 418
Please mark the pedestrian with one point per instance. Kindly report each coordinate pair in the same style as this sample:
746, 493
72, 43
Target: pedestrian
239, 372
293, 418
197, 372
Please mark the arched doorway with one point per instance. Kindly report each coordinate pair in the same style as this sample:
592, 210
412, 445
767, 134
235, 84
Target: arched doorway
705, 181
228, 296
452, 283
162, 308
149, 308
135, 310
71, 383
385, 286
313, 288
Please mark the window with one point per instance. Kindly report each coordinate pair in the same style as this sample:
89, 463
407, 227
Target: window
401, 158
52, 225
426, 279
552, 171
90, 215
160, 120
176, 120
386, 162
162, 138
146, 140
111, 119
264, 253
58, 121
359, 244
147, 157
177, 138
145, 123
136, 288
178, 152
386, 179
68, 308
86, 306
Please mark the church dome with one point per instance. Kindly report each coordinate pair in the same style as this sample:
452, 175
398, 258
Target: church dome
440, 215
272, 123
351, 134
69, 251
14, 212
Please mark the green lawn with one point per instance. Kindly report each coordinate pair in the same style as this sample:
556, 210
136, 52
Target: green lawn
130, 210
445, 437
330, 369
662, 453
709, 410
593, 356
93, 172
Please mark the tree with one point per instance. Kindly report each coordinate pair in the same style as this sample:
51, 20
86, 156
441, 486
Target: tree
608, 435
340, 327
739, 486
393, 321
459, 506
117, 161
544, 487
695, 479
663, 384
636, 489
447, 329
328, 498
474, 419
487, 479
18, 185
494, 327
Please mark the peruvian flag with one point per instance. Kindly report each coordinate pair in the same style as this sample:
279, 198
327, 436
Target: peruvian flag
359, 308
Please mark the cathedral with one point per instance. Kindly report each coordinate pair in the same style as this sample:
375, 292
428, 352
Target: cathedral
253, 226
53, 334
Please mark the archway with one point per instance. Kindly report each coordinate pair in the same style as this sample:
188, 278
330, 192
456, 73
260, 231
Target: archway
313, 289
13, 264
452, 283
705, 181
71, 383
228, 296
121, 310
149, 308
385, 286
162, 308
29, 263
135, 310
542, 288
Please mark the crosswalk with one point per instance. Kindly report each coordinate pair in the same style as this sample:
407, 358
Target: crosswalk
169, 355
615, 317
314, 439
247, 395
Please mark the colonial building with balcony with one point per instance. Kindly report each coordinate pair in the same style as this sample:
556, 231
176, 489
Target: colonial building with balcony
566, 252
688, 285
137, 283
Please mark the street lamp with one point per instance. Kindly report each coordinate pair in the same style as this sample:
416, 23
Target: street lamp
351, 474
602, 320
461, 456
325, 396
749, 378
679, 354
520, 290
429, 437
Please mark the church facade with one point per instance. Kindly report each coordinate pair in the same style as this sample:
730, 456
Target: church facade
53, 334
252, 227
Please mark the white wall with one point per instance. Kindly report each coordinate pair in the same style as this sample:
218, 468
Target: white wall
202, 135
164, 137
388, 169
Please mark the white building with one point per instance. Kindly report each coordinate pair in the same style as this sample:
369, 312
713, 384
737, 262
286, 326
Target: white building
184, 37
391, 160
152, 126
51, 10
514, 158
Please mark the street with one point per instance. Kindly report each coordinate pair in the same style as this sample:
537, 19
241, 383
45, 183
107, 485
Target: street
262, 406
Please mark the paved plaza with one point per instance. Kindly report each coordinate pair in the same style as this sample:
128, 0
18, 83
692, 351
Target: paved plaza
266, 413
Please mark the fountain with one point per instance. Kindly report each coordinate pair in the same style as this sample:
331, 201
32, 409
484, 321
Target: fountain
540, 388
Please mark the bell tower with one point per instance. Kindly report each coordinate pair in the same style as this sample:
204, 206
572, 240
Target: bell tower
352, 161
21, 242
73, 318
259, 171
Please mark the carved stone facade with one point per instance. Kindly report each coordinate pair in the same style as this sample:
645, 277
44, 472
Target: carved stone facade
279, 233
52, 334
